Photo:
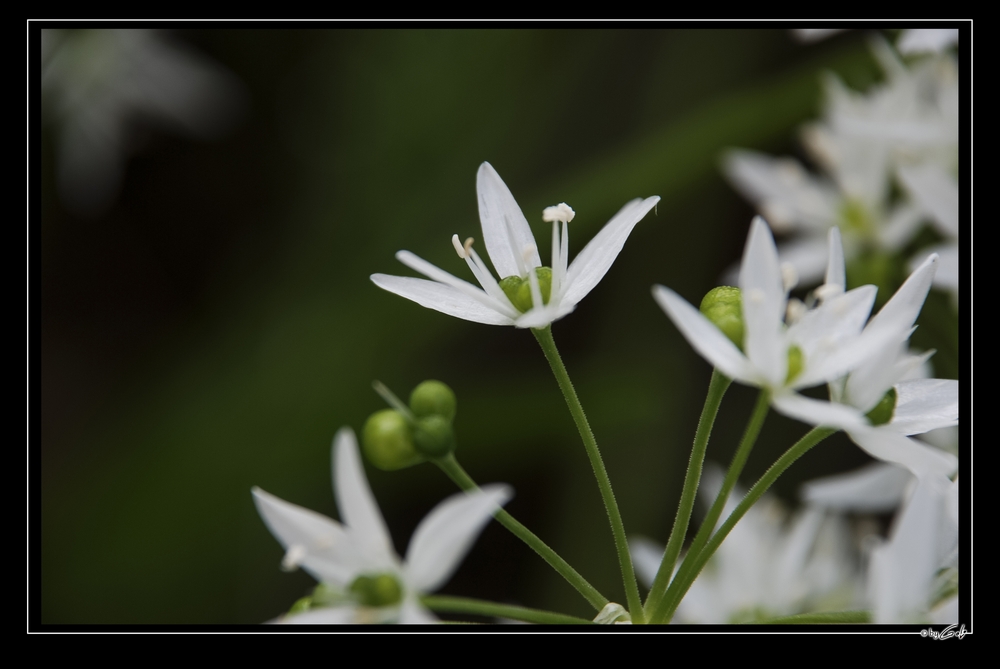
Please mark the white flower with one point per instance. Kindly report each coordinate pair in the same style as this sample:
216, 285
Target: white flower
97, 83
920, 405
905, 574
358, 552
825, 343
936, 193
771, 564
514, 254
911, 119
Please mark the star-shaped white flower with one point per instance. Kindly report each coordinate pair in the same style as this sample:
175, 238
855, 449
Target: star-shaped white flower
357, 553
826, 342
921, 405
514, 254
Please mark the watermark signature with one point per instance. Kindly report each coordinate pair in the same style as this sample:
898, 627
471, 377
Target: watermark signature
947, 633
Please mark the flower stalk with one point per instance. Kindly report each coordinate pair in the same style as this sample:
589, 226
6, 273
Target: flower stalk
548, 344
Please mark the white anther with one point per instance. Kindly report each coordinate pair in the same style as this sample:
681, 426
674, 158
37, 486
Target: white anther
756, 295
323, 542
795, 310
827, 291
560, 212
789, 277
528, 251
293, 557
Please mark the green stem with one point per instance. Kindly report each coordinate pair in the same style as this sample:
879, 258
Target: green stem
548, 344
708, 525
716, 389
822, 618
449, 465
683, 582
483, 608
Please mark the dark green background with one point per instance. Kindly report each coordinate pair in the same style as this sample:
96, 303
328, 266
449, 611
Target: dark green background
217, 326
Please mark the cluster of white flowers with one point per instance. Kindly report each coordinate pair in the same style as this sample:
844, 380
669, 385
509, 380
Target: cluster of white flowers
903, 131
769, 565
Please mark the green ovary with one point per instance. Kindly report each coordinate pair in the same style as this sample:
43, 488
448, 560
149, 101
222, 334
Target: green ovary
518, 290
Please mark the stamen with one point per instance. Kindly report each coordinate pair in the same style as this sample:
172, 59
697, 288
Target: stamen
827, 291
468, 246
560, 212
294, 556
459, 249
795, 310
789, 277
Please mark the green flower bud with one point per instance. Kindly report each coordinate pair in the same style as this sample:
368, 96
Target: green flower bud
433, 398
856, 217
723, 305
796, 361
387, 442
882, 412
518, 290
434, 437
377, 590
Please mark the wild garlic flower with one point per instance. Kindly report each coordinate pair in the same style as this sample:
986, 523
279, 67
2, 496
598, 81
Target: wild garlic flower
355, 557
912, 577
899, 406
860, 145
771, 564
823, 344
528, 294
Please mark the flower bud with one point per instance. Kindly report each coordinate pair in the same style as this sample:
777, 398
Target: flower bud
723, 305
518, 290
882, 412
387, 442
433, 398
377, 590
434, 437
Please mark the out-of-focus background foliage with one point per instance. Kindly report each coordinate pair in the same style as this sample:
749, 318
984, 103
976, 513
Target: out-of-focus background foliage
213, 326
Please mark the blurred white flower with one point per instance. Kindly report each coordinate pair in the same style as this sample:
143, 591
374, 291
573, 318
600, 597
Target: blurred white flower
529, 295
97, 85
935, 192
909, 120
771, 564
824, 344
356, 557
926, 40
913, 572
917, 405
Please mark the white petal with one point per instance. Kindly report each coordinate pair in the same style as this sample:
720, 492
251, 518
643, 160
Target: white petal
506, 232
763, 295
827, 335
415, 262
334, 615
706, 338
889, 446
330, 556
925, 404
646, 556
900, 312
357, 506
875, 488
902, 223
413, 613
594, 261
936, 193
447, 533
902, 571
818, 412
835, 272
926, 40
440, 297
885, 368
784, 192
